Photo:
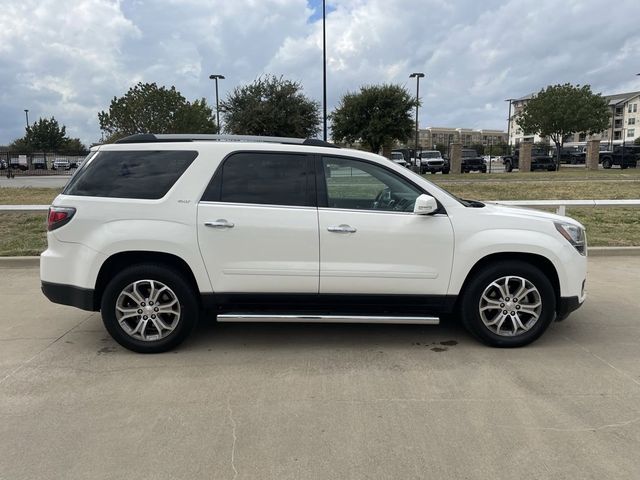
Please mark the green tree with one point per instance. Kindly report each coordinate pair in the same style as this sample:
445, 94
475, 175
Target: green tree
376, 116
637, 141
147, 108
46, 135
271, 106
560, 110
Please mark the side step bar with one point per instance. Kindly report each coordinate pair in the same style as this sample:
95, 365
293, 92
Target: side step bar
250, 317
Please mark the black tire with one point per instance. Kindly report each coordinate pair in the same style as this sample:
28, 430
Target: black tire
606, 163
433, 172
484, 170
445, 172
469, 307
508, 166
551, 169
184, 292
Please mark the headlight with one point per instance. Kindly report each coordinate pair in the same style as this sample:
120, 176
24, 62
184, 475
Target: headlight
574, 234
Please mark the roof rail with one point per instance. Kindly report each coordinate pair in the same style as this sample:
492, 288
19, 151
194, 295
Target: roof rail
188, 137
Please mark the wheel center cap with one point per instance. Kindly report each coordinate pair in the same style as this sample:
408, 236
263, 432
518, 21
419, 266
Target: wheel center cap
509, 305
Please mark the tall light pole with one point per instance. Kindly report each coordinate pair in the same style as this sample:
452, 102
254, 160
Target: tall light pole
216, 78
324, 70
26, 114
417, 76
510, 100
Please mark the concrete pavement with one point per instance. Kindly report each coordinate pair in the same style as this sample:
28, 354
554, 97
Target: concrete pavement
41, 181
321, 401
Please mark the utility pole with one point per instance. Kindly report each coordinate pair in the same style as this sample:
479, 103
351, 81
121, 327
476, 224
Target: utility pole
510, 100
26, 114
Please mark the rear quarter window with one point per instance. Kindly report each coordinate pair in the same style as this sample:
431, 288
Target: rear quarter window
130, 174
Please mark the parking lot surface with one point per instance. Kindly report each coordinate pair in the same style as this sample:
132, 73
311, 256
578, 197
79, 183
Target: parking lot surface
282, 401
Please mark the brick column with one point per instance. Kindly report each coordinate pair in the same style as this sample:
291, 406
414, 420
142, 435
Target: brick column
455, 161
593, 154
524, 161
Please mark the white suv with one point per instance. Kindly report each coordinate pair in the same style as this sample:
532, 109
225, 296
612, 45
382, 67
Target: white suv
157, 230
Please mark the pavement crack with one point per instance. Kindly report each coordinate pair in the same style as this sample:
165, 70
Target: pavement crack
235, 438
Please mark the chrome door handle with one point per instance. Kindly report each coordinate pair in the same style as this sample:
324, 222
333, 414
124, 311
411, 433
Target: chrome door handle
220, 223
342, 229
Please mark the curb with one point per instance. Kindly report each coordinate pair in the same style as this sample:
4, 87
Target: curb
24, 262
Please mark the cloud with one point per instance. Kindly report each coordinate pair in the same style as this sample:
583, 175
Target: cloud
68, 58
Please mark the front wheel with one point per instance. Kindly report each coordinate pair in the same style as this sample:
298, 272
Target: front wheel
149, 308
508, 304
606, 163
508, 166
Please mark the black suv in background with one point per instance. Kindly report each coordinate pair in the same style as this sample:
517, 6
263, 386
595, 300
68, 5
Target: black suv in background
471, 161
540, 160
622, 156
572, 155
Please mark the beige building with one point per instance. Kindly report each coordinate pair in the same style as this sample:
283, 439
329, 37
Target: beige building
624, 124
431, 136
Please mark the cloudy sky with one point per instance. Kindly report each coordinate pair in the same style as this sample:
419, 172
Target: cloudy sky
68, 58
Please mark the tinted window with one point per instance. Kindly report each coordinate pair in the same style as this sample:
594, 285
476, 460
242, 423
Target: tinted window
360, 185
130, 174
264, 178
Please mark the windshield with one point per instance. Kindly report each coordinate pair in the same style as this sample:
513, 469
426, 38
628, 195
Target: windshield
540, 153
469, 153
397, 156
430, 155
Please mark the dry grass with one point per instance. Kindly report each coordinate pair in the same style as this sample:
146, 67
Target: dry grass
27, 195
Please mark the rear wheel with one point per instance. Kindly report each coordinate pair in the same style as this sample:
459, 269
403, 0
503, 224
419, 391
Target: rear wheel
606, 163
149, 308
508, 166
508, 304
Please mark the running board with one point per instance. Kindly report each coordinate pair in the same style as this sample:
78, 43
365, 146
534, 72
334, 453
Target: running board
250, 317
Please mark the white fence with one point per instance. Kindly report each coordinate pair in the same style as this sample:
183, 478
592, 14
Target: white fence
559, 205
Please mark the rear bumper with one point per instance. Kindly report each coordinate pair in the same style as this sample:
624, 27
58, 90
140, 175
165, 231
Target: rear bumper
71, 295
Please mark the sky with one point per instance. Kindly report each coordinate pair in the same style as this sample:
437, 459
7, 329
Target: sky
69, 58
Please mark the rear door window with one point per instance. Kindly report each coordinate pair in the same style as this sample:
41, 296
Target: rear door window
264, 178
130, 174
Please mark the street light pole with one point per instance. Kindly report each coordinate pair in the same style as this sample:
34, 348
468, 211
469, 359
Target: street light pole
324, 70
215, 78
417, 76
26, 114
510, 100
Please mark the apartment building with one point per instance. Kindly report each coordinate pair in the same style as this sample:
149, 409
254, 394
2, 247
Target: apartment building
430, 136
624, 125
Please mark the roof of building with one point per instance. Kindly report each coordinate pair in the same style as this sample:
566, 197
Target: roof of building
614, 99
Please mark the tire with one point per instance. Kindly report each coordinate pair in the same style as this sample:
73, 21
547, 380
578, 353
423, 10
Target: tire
445, 172
181, 317
606, 163
481, 287
551, 169
484, 170
508, 166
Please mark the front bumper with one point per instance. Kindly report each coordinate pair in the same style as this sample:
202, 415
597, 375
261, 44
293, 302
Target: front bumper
566, 305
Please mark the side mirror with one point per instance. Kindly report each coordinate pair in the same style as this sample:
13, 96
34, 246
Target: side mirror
425, 205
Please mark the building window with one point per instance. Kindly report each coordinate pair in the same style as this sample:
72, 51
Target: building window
635, 107
582, 137
631, 132
630, 108
619, 110
617, 135
632, 121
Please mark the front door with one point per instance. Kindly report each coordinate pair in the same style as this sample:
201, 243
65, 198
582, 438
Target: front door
258, 225
371, 242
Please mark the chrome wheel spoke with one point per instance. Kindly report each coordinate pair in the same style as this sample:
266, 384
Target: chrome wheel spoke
510, 306
147, 310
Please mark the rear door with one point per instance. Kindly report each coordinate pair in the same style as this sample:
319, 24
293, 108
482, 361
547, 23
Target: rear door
258, 224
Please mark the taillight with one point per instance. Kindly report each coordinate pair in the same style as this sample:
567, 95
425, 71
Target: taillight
59, 216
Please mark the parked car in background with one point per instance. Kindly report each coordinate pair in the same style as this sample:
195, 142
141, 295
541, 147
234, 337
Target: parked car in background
472, 162
572, 155
398, 157
19, 163
540, 160
431, 161
156, 231
3, 164
61, 164
39, 163
626, 156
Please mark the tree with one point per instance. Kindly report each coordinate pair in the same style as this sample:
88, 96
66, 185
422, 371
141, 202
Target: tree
271, 106
147, 108
561, 110
375, 116
637, 141
46, 135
